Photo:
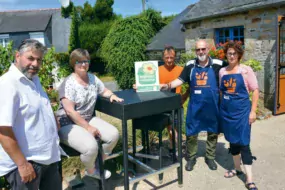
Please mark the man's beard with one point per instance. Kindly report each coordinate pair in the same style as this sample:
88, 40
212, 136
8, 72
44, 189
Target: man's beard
202, 58
24, 70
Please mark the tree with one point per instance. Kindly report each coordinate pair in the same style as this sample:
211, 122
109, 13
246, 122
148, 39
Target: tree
87, 14
103, 10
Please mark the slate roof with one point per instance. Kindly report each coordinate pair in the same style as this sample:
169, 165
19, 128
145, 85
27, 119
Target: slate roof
213, 8
25, 21
170, 34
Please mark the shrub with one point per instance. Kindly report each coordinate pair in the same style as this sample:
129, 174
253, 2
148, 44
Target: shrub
45, 74
125, 44
254, 64
185, 57
6, 57
62, 60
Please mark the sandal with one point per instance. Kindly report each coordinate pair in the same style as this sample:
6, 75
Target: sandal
251, 188
232, 173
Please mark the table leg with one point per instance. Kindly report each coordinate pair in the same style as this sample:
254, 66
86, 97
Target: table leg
134, 144
125, 153
179, 169
173, 137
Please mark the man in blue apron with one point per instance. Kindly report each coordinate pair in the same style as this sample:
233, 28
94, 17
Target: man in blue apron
202, 74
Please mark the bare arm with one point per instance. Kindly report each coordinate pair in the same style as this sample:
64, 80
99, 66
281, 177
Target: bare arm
255, 97
109, 94
173, 84
11, 147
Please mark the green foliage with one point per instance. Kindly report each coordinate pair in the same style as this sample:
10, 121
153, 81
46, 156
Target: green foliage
103, 10
74, 38
167, 19
125, 44
87, 14
52, 94
62, 60
66, 12
45, 74
184, 58
254, 64
92, 35
154, 18
6, 57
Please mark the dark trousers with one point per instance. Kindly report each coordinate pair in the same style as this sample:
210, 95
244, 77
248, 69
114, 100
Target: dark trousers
244, 151
192, 146
47, 178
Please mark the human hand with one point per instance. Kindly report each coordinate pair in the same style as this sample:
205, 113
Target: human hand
27, 172
135, 87
252, 117
163, 87
94, 131
115, 98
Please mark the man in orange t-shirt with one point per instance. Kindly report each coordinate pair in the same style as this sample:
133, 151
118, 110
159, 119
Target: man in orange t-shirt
167, 73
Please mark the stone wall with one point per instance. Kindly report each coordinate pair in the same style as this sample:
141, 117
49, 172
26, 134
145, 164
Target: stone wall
260, 28
157, 55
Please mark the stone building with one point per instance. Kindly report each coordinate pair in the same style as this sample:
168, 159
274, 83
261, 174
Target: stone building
258, 24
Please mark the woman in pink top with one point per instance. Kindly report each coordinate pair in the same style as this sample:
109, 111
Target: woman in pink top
236, 110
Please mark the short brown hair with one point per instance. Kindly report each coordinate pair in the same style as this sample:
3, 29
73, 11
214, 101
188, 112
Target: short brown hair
236, 46
76, 55
168, 49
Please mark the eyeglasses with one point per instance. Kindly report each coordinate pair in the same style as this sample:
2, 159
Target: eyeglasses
232, 54
81, 62
200, 49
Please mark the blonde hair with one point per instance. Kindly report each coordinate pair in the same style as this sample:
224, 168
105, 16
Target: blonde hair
76, 55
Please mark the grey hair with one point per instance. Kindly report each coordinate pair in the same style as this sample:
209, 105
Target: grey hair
31, 44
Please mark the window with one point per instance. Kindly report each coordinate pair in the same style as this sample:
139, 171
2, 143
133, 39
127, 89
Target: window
4, 40
233, 33
38, 36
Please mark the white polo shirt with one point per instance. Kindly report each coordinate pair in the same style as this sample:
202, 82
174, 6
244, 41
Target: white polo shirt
25, 107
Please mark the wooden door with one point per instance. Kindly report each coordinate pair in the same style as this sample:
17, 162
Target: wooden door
279, 106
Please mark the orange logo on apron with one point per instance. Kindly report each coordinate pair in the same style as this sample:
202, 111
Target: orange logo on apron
201, 79
230, 85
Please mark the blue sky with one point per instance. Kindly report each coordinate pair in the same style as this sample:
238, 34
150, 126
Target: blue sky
123, 7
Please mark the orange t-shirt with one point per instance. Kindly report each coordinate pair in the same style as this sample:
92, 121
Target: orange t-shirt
166, 76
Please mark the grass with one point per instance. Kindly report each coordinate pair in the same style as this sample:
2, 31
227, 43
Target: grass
105, 78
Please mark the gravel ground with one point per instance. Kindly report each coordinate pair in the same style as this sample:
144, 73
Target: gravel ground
268, 144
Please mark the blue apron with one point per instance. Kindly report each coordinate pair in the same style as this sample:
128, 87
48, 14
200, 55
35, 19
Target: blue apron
203, 111
235, 109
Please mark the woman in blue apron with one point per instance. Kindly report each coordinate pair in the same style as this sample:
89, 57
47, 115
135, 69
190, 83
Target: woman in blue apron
236, 111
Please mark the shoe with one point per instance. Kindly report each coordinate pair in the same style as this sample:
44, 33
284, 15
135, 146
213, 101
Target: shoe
170, 153
190, 165
247, 185
96, 174
232, 173
211, 164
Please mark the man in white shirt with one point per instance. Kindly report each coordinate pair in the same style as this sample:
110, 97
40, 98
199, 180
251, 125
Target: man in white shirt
29, 143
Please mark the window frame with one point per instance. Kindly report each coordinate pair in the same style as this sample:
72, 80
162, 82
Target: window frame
231, 35
4, 37
40, 36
